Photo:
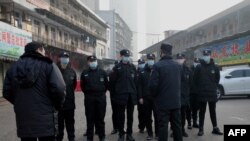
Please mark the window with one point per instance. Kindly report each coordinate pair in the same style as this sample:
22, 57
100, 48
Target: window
66, 38
37, 27
247, 73
237, 73
18, 20
53, 33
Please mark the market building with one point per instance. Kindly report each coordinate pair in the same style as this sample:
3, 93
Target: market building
62, 25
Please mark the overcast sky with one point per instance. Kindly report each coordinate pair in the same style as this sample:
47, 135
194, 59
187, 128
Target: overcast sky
157, 16
181, 14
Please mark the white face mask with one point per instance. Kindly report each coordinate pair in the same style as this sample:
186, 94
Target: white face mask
125, 59
207, 59
93, 65
141, 66
151, 63
64, 60
180, 61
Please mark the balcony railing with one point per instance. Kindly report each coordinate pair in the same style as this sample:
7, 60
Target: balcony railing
66, 17
59, 44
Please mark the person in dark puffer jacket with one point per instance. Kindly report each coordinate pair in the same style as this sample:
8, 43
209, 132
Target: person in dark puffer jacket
207, 77
66, 115
35, 86
186, 81
123, 80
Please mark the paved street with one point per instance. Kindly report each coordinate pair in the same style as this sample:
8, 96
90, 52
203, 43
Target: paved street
230, 111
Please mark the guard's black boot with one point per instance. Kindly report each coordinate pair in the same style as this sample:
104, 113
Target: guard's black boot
200, 133
217, 131
114, 131
189, 126
121, 138
130, 138
184, 134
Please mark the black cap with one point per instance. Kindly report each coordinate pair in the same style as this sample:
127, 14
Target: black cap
64, 54
141, 61
207, 52
180, 56
125, 52
33, 46
196, 60
166, 48
91, 58
150, 56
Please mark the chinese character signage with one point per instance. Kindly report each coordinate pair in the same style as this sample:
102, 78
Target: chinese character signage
13, 40
236, 51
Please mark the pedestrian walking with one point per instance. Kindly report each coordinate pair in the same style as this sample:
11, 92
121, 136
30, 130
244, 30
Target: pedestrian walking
145, 97
165, 85
35, 86
94, 84
123, 79
66, 116
207, 77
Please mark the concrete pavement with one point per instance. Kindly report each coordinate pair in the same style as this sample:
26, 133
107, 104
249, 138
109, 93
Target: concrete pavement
229, 111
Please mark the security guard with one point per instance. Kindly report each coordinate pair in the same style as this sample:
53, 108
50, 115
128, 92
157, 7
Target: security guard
186, 81
165, 85
140, 107
141, 65
145, 97
94, 84
123, 79
207, 77
193, 108
66, 114
115, 110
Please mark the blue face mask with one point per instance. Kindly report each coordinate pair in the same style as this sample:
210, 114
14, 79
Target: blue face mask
151, 63
64, 61
125, 59
93, 65
207, 59
141, 66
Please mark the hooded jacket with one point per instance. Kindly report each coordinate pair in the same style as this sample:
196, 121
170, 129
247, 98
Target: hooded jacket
35, 86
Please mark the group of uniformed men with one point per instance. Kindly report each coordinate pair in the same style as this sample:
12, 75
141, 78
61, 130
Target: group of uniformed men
168, 89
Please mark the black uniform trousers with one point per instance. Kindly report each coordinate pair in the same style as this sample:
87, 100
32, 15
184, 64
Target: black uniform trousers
141, 116
189, 114
192, 110
115, 111
121, 116
149, 108
52, 138
66, 117
212, 111
183, 116
95, 110
164, 116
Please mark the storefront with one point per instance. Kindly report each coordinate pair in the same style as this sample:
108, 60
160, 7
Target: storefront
12, 42
230, 52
